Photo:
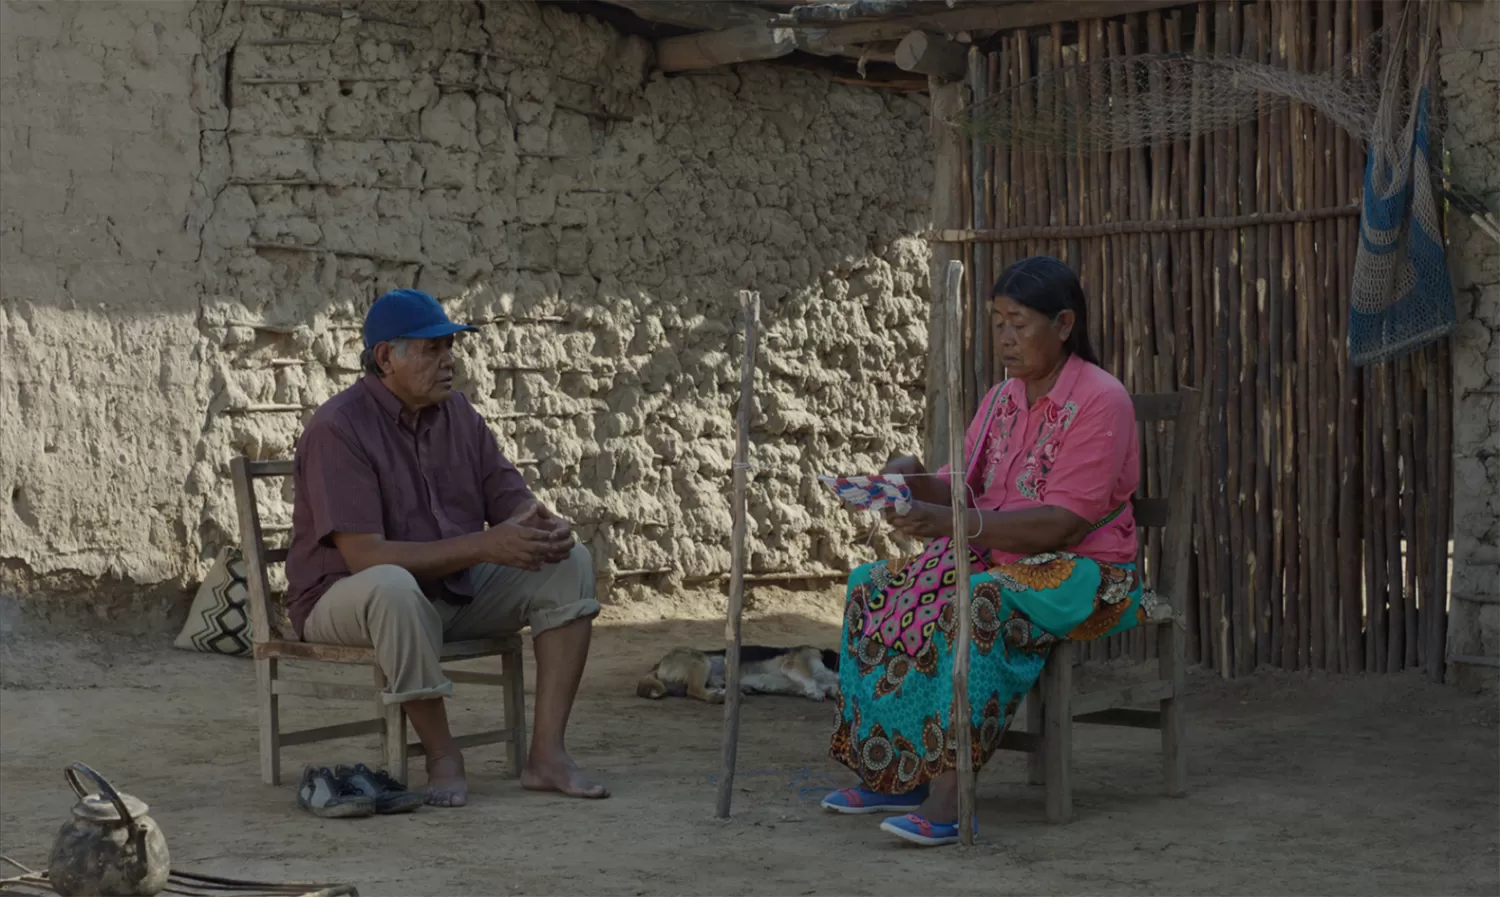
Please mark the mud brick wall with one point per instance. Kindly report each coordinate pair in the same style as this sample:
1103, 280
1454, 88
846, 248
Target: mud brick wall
102, 376
207, 198
1470, 69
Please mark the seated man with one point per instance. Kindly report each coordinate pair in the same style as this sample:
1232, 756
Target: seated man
396, 478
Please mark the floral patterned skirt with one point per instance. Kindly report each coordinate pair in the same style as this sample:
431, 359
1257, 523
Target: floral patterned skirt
893, 713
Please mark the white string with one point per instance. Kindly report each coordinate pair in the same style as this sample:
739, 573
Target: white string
794, 473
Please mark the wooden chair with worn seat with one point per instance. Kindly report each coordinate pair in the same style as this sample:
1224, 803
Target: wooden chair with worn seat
1052, 708
272, 647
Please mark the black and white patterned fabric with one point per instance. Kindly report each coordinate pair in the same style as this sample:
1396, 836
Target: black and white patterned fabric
219, 620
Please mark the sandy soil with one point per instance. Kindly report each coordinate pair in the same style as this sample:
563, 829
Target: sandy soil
1299, 785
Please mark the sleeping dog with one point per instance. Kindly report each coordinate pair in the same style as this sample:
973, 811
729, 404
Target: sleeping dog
802, 671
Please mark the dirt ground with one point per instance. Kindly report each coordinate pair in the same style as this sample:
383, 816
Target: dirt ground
1299, 785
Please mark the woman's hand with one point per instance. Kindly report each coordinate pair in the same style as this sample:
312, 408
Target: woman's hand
906, 465
923, 486
925, 520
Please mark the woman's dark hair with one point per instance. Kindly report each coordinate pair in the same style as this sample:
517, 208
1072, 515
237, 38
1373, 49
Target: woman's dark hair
1046, 285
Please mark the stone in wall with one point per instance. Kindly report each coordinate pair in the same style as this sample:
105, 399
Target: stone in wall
1470, 69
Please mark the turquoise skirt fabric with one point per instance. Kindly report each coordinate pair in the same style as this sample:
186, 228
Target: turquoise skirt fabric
896, 665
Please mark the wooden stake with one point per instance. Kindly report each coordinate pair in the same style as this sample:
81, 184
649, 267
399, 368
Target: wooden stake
1319, 23
1437, 628
1411, 542
1206, 535
1227, 527
1290, 366
1265, 568
981, 186
1283, 584
1351, 548
750, 302
946, 100
959, 720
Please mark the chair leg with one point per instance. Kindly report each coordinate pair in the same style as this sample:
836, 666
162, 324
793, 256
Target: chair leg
1057, 690
1035, 772
393, 733
515, 710
1170, 665
270, 720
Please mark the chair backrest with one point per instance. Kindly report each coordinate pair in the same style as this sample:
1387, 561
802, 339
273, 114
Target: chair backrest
1172, 512
252, 539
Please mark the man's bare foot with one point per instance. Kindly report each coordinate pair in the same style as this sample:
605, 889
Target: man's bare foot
563, 776
446, 785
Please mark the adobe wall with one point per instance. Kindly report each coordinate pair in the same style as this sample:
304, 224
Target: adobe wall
200, 201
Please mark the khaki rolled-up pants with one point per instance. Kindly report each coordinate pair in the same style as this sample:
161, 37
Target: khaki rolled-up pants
385, 608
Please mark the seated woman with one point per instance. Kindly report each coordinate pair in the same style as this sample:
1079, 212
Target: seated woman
1053, 463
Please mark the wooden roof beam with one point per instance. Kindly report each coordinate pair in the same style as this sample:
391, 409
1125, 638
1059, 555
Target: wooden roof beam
932, 54
987, 18
856, 10
697, 14
710, 49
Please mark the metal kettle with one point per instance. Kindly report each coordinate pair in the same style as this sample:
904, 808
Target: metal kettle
110, 848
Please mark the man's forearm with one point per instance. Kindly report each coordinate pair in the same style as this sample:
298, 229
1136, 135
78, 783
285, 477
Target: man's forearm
424, 560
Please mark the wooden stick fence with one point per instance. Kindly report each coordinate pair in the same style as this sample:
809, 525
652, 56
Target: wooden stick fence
1222, 262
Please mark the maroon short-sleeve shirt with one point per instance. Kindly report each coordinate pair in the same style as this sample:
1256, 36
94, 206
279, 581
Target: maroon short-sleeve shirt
364, 466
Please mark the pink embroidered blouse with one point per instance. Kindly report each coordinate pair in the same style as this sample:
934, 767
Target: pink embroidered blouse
1076, 448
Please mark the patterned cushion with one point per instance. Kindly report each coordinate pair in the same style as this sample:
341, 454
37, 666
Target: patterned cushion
219, 620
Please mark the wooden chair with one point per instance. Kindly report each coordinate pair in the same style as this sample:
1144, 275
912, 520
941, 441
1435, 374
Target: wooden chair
390, 721
1052, 708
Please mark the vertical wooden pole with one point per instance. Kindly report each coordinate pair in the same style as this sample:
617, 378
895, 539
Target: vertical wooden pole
1404, 402
1437, 633
1321, 21
947, 212
1265, 551
960, 717
1226, 528
1347, 157
750, 303
1210, 579
982, 189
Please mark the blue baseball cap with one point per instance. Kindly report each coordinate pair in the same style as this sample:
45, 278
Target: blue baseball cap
408, 314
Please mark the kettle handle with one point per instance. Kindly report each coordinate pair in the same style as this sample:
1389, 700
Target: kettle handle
72, 772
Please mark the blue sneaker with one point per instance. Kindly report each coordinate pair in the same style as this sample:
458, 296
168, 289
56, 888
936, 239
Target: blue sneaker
862, 800
918, 830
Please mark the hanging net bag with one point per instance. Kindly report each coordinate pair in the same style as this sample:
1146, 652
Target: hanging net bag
1401, 297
